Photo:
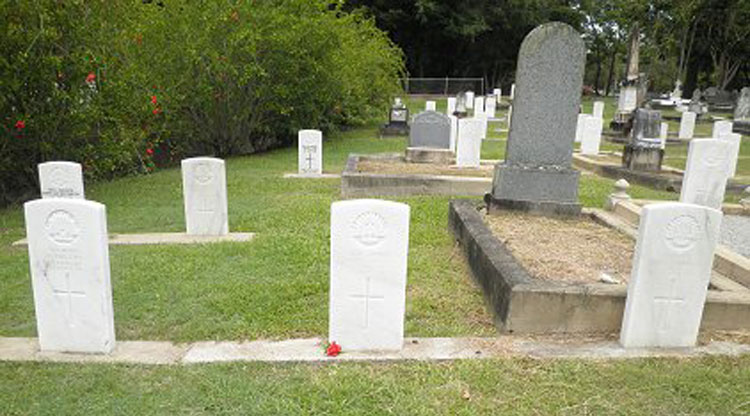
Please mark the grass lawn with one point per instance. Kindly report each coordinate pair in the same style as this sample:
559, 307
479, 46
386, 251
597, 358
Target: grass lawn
277, 287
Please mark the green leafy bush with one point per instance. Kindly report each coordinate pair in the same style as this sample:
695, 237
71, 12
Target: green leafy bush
118, 86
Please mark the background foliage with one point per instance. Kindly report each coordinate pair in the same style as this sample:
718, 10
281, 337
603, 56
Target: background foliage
121, 86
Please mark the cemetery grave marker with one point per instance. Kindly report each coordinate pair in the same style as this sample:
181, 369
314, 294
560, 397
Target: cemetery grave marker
60, 179
204, 187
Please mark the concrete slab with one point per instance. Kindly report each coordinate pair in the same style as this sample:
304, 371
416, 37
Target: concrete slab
169, 238
139, 352
309, 176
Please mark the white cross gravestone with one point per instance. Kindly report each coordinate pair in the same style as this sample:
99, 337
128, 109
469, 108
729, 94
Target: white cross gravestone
721, 128
310, 152
451, 106
429, 106
469, 99
469, 144
204, 188
598, 109
369, 247
454, 132
490, 107
705, 178
592, 135
687, 125
478, 106
61, 180
580, 126
671, 270
69, 262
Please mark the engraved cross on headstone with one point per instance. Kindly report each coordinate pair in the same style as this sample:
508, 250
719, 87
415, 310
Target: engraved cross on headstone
367, 297
68, 294
309, 150
667, 305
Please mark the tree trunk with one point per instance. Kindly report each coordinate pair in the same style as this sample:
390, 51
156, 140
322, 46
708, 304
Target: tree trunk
611, 76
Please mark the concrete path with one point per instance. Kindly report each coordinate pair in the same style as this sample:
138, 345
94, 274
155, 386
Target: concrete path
311, 350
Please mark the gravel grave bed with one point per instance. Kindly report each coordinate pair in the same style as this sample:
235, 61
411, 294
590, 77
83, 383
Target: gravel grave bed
400, 167
577, 250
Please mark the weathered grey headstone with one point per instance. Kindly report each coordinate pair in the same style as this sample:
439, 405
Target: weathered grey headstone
469, 142
204, 188
61, 180
369, 250
537, 173
69, 262
646, 125
310, 152
671, 270
742, 110
687, 125
430, 129
706, 171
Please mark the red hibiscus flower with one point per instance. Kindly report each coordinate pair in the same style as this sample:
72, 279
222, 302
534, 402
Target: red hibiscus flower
20, 125
149, 151
153, 99
333, 349
90, 78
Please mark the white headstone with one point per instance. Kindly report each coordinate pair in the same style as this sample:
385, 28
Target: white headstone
721, 128
734, 140
664, 131
478, 105
628, 99
580, 124
310, 152
429, 106
598, 109
687, 125
204, 188
454, 132
490, 107
705, 178
451, 106
512, 90
61, 180
592, 135
69, 262
497, 92
509, 115
469, 99
369, 248
671, 270
469, 142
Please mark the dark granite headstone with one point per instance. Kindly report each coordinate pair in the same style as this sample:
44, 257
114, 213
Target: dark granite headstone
430, 129
646, 124
536, 174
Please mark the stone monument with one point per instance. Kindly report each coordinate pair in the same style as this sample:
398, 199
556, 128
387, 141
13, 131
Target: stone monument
628, 100
310, 152
536, 174
204, 188
61, 180
398, 120
742, 113
644, 151
429, 139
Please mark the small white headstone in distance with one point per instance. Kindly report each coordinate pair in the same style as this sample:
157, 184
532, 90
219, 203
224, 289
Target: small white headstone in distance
478, 105
687, 125
721, 128
454, 132
61, 180
204, 188
429, 106
512, 90
69, 262
469, 99
369, 248
310, 152
510, 115
497, 92
598, 109
490, 106
451, 106
671, 270
469, 142
592, 135
580, 125
705, 178
664, 131
734, 140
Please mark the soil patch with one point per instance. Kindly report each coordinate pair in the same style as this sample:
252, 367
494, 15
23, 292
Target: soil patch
577, 250
401, 168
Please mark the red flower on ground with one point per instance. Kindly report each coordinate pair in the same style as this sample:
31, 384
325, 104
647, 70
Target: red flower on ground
20, 125
153, 99
91, 77
333, 349
156, 110
149, 151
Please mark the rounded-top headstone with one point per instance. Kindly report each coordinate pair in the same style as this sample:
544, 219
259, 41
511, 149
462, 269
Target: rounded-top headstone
547, 95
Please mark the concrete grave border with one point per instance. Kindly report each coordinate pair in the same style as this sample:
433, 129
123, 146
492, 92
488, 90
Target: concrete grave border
167, 238
523, 304
358, 184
